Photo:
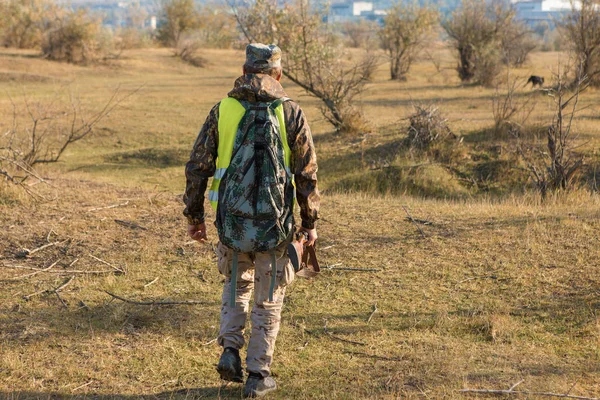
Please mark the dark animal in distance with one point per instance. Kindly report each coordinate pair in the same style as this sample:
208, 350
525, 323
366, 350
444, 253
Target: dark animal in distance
535, 80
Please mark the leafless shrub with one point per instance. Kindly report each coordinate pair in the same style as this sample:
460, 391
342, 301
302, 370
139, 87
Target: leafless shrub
313, 57
188, 50
556, 168
360, 34
40, 133
132, 38
407, 28
75, 37
511, 111
22, 22
484, 34
427, 126
516, 45
177, 17
581, 28
216, 27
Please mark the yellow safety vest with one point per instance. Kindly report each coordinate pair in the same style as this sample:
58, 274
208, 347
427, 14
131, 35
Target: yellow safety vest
231, 112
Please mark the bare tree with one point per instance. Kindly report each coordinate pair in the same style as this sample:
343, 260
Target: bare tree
74, 37
313, 57
359, 34
407, 28
177, 17
556, 168
40, 133
22, 22
484, 34
582, 31
216, 27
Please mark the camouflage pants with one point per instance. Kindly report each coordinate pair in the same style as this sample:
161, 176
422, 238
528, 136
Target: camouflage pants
254, 273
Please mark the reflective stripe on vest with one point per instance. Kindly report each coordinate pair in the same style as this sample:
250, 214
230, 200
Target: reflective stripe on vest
231, 113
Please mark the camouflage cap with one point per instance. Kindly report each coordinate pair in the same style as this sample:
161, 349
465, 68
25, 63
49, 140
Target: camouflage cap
261, 56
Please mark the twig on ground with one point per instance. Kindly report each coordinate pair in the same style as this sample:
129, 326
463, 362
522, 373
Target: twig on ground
361, 354
155, 302
511, 391
210, 342
64, 284
414, 222
131, 225
61, 299
494, 277
61, 272
372, 313
50, 233
327, 248
151, 283
338, 268
36, 272
108, 207
49, 291
28, 253
82, 386
119, 270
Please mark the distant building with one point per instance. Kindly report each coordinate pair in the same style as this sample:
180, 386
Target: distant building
534, 12
353, 11
153, 22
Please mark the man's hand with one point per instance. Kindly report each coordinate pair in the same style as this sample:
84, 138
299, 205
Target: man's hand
198, 232
312, 236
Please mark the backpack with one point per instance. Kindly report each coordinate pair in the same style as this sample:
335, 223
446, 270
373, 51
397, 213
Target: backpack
256, 194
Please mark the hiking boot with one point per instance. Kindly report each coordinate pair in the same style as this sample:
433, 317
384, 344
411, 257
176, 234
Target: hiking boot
230, 365
258, 386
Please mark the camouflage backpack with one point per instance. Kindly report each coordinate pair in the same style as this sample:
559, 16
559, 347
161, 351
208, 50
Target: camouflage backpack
256, 193
255, 209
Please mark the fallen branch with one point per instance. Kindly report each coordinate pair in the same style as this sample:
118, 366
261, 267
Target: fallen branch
35, 273
61, 272
327, 248
151, 283
108, 207
50, 291
131, 225
119, 270
511, 391
155, 302
414, 222
367, 355
82, 386
373, 313
337, 268
210, 342
27, 252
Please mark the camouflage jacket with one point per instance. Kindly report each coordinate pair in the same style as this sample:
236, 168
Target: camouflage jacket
202, 163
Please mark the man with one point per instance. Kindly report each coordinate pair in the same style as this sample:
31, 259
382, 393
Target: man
231, 121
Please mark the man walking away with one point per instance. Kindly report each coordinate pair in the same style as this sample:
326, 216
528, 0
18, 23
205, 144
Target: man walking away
257, 146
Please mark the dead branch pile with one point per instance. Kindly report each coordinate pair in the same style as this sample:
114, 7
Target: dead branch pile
427, 126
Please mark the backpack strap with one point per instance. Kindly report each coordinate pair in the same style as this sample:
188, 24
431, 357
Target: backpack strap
273, 274
233, 281
276, 103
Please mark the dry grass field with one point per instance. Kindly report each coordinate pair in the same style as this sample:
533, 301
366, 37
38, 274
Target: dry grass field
500, 287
